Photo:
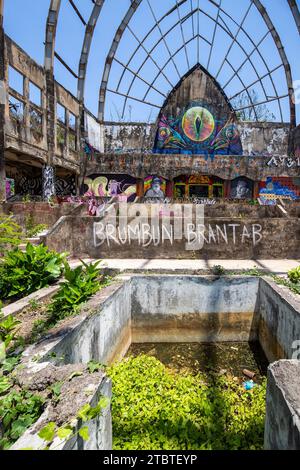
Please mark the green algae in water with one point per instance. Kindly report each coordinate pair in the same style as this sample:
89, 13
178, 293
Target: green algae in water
172, 402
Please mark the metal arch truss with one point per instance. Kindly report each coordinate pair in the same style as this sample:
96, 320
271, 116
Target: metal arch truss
223, 21
296, 13
87, 41
51, 26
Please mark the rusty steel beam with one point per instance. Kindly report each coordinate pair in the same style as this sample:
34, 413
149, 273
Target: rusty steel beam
86, 46
295, 10
288, 73
51, 26
118, 36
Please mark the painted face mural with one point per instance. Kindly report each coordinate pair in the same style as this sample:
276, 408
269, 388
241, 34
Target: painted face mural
241, 188
198, 130
154, 187
121, 186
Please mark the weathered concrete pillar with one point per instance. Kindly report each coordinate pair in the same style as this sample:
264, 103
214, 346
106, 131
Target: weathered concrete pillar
2, 109
282, 429
48, 182
256, 190
48, 170
140, 187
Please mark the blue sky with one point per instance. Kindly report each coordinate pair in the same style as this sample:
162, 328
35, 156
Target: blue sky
24, 21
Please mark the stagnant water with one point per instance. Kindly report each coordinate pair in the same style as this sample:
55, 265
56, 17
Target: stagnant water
224, 358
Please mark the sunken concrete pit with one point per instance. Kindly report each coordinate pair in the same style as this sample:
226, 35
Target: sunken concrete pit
183, 308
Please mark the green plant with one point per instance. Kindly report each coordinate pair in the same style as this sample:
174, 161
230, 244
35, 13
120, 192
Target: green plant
294, 287
49, 432
26, 198
218, 270
10, 233
22, 273
251, 272
294, 275
79, 285
95, 366
18, 411
8, 329
32, 229
156, 409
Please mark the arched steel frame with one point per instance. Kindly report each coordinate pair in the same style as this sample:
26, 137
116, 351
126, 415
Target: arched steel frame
219, 22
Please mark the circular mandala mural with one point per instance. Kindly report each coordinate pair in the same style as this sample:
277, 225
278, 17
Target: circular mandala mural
198, 124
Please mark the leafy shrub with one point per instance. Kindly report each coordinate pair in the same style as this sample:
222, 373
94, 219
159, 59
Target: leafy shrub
294, 287
22, 273
10, 233
8, 329
18, 411
294, 275
32, 229
218, 270
154, 409
79, 285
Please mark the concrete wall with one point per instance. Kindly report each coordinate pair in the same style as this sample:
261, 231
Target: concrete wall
104, 335
192, 309
279, 320
246, 238
140, 165
174, 309
282, 428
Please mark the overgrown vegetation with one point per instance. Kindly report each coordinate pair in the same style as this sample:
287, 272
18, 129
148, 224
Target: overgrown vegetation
10, 233
156, 409
80, 284
292, 281
18, 411
51, 431
31, 228
22, 273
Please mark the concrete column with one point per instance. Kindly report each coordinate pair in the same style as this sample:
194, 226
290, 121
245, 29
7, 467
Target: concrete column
256, 190
170, 189
227, 189
48, 170
48, 182
140, 188
2, 109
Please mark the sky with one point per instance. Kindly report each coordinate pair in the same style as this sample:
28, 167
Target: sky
24, 22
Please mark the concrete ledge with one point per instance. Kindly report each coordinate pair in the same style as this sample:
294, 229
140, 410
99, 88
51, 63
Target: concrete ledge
282, 430
20, 305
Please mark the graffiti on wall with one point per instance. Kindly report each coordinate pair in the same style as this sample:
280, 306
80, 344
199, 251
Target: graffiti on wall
10, 187
65, 186
276, 188
155, 187
197, 131
241, 188
121, 186
48, 181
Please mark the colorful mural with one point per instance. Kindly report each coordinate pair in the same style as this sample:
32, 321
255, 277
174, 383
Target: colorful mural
241, 188
121, 186
198, 187
155, 187
197, 131
10, 187
276, 188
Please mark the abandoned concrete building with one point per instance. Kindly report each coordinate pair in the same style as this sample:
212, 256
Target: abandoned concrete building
208, 134
152, 149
